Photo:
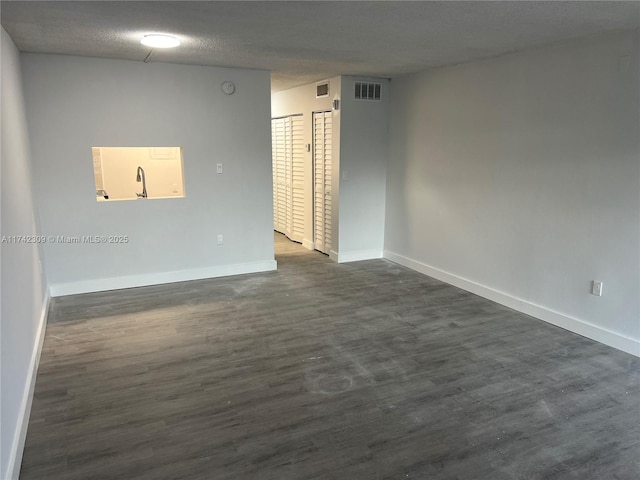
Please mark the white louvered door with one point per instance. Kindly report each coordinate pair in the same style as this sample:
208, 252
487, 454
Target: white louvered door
279, 147
274, 165
297, 178
288, 176
322, 168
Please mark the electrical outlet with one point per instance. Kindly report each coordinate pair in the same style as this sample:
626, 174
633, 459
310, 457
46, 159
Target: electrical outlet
220, 239
596, 288
219, 168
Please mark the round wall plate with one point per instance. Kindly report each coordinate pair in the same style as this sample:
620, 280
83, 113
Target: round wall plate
229, 88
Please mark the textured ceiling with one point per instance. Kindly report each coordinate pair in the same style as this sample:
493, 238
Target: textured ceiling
301, 42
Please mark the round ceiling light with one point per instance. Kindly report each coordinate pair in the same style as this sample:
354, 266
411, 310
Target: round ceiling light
156, 40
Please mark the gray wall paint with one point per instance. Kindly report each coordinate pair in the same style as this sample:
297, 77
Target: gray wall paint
363, 154
22, 282
521, 173
74, 103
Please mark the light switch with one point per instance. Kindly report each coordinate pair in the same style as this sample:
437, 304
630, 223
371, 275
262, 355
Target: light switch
219, 168
596, 288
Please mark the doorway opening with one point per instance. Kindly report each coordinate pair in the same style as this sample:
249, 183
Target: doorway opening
135, 173
302, 176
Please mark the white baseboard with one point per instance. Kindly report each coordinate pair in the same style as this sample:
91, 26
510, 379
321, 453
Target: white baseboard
308, 244
20, 435
333, 255
130, 281
575, 325
345, 257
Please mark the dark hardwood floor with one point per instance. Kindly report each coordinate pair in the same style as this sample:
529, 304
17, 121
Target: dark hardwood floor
356, 371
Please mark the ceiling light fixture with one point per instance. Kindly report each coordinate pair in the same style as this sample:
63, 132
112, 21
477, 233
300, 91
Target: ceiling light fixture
156, 40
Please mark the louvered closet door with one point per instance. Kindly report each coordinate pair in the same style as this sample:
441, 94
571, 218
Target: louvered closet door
279, 175
288, 176
297, 178
288, 202
274, 162
322, 168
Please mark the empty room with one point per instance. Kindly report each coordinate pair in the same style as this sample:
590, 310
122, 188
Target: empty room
320, 240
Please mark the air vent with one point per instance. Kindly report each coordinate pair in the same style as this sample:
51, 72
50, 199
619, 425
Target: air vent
367, 91
322, 89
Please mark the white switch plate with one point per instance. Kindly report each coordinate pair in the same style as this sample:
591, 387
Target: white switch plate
220, 239
596, 288
219, 168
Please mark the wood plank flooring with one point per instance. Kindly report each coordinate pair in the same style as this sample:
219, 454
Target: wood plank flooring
323, 371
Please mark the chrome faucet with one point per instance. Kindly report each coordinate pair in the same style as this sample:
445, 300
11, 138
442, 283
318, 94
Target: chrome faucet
140, 178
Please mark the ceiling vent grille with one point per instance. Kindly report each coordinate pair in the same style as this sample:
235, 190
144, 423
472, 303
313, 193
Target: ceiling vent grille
322, 89
367, 91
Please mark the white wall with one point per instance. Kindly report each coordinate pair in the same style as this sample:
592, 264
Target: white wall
74, 103
518, 178
24, 297
302, 100
363, 154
